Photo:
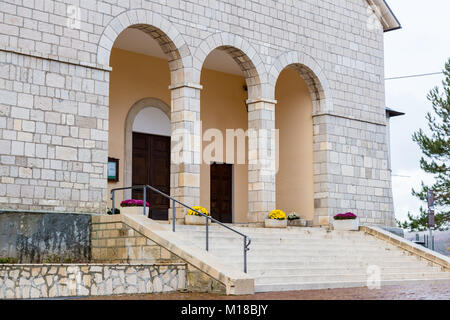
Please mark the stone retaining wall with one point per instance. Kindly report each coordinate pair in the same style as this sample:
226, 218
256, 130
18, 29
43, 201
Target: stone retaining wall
115, 242
23, 281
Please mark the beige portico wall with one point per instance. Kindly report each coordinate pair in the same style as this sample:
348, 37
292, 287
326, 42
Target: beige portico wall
293, 119
134, 77
185, 91
223, 107
260, 115
137, 80
184, 96
322, 105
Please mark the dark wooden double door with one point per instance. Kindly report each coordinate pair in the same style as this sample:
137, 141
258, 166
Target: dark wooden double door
151, 166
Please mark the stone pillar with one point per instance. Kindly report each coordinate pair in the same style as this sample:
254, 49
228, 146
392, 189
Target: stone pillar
262, 166
185, 147
325, 163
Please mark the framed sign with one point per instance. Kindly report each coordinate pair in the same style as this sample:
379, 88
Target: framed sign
430, 199
113, 169
431, 221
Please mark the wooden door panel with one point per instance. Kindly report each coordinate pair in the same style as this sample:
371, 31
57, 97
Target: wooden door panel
221, 192
151, 166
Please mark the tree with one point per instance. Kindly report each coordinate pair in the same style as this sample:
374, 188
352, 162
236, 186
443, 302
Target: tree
436, 159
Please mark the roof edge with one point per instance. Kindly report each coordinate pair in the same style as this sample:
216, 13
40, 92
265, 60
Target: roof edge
393, 113
385, 14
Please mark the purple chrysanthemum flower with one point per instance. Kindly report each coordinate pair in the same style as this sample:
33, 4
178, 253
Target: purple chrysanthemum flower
133, 203
345, 216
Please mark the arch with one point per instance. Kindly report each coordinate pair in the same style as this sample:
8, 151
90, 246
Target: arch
160, 29
132, 113
242, 52
311, 72
152, 120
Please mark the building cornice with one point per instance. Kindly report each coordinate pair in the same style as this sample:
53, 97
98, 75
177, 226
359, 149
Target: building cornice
385, 14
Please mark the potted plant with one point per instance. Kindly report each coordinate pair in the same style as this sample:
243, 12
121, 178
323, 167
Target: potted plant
110, 211
277, 219
133, 206
346, 222
193, 218
294, 220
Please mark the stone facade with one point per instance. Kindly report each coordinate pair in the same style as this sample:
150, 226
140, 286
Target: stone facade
115, 242
53, 134
54, 75
25, 281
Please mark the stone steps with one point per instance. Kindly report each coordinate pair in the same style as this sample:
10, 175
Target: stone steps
294, 241
312, 258
348, 277
341, 284
267, 265
256, 255
292, 238
326, 261
283, 271
305, 250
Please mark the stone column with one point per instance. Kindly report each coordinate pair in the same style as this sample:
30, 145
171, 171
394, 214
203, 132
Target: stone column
262, 167
185, 147
326, 162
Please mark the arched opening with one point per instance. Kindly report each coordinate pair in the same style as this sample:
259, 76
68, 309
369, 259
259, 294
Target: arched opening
228, 78
152, 120
293, 119
144, 63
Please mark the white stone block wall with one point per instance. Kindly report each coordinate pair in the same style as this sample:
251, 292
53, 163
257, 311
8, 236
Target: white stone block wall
339, 56
53, 135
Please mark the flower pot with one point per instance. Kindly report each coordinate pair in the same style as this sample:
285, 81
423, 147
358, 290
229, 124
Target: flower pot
134, 210
346, 225
195, 220
297, 223
273, 223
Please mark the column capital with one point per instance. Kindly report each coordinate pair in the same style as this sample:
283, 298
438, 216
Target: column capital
257, 100
186, 85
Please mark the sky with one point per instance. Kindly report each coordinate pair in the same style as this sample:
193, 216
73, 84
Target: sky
421, 46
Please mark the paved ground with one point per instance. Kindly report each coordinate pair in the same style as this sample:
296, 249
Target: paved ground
404, 292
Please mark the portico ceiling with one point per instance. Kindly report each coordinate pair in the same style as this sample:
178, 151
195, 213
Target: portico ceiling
137, 41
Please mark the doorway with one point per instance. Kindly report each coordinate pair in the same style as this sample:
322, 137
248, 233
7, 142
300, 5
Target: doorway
151, 166
222, 192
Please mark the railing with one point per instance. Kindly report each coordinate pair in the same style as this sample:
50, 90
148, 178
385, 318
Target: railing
247, 239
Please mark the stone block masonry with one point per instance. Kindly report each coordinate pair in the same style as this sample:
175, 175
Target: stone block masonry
54, 92
115, 242
25, 281
53, 135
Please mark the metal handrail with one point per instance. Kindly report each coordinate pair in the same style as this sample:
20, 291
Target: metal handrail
247, 240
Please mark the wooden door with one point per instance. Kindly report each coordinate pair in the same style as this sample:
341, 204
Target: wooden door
221, 192
151, 166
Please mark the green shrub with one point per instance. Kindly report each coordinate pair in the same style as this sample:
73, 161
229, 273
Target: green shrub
293, 216
116, 211
8, 260
54, 258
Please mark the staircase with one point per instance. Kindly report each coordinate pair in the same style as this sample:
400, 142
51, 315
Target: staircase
313, 258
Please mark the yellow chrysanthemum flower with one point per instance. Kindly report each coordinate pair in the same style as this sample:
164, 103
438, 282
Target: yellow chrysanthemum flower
198, 208
277, 215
